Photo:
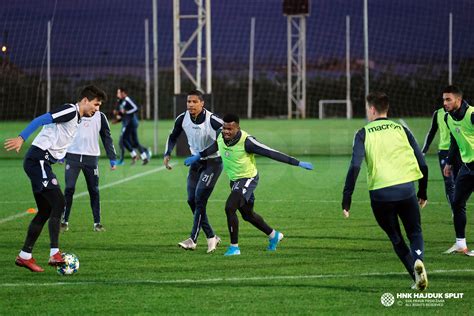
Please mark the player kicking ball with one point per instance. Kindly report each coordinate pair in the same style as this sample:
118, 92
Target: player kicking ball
59, 128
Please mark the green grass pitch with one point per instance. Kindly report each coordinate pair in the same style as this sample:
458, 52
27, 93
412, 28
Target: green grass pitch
325, 265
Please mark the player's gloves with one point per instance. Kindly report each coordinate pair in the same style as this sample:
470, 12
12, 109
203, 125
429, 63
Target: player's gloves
306, 165
192, 159
113, 163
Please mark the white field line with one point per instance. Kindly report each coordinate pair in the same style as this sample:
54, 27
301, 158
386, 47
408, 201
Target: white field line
259, 200
10, 218
108, 185
228, 280
221, 201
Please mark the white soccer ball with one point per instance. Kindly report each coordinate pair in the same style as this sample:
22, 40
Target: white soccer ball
70, 266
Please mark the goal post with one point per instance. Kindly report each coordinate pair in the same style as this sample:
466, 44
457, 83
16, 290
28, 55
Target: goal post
348, 104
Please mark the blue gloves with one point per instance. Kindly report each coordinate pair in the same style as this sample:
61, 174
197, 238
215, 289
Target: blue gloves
306, 165
192, 159
113, 163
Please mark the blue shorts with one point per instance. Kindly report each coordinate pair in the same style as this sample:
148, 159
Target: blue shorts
245, 186
37, 166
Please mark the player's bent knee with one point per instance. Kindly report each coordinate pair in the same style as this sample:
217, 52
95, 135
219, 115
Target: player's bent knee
247, 216
234, 201
56, 199
230, 210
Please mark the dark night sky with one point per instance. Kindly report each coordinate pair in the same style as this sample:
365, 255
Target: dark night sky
111, 32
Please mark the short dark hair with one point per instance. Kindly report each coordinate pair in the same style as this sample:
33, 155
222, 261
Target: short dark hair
379, 100
123, 89
229, 118
197, 93
453, 89
92, 92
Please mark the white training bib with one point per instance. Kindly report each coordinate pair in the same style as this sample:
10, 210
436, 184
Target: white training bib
200, 136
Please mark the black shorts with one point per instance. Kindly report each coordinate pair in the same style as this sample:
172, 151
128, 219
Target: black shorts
245, 186
37, 166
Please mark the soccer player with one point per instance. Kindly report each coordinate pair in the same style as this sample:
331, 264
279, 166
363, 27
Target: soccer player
443, 148
394, 162
238, 149
49, 146
129, 137
460, 121
83, 154
201, 127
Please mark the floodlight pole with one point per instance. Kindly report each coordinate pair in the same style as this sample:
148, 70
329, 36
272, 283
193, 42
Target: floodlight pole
251, 55
208, 50
181, 48
48, 69
182, 62
366, 47
155, 77
450, 57
296, 64
177, 48
147, 70
348, 68
200, 24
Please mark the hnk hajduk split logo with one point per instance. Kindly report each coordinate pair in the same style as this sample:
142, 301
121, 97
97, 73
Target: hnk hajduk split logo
419, 299
387, 299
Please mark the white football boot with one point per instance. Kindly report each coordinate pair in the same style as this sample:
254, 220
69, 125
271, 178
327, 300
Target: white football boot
188, 244
421, 278
455, 249
212, 243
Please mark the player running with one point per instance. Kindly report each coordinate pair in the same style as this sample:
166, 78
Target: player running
394, 162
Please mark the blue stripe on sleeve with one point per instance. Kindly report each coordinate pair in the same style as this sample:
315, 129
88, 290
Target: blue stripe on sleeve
44, 119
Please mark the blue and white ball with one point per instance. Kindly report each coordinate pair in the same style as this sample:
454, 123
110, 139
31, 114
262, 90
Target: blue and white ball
70, 266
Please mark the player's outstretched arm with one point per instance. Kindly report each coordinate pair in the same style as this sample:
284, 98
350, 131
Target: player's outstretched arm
192, 159
17, 142
213, 148
306, 165
113, 165
255, 147
14, 143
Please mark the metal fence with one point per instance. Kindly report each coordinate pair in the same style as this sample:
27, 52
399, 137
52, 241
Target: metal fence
411, 51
